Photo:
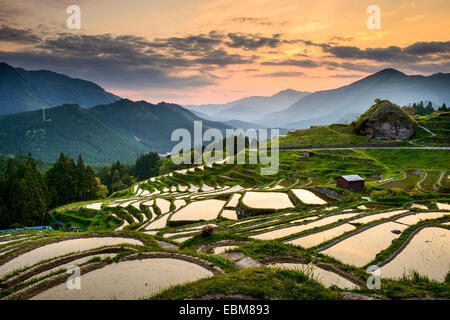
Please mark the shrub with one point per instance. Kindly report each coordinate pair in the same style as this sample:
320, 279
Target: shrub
207, 230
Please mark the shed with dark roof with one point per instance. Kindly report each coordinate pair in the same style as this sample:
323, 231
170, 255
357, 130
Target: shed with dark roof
353, 181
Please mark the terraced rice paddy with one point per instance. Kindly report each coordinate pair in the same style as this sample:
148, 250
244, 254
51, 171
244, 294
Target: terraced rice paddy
234, 200
126, 204
443, 206
378, 216
325, 277
284, 232
132, 280
406, 184
315, 239
445, 179
182, 239
73, 263
429, 181
124, 224
344, 230
199, 210
267, 200
361, 248
230, 214
94, 206
308, 197
427, 253
419, 206
61, 248
179, 203
159, 223
163, 205
416, 218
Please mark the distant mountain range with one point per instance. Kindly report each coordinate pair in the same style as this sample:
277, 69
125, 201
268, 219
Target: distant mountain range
105, 128
248, 109
22, 90
347, 102
122, 130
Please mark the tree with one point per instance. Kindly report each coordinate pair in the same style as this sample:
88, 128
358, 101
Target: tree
146, 166
61, 178
116, 178
421, 110
69, 182
81, 179
93, 188
26, 198
429, 108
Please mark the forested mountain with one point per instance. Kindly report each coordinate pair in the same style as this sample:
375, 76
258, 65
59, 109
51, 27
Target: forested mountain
150, 125
22, 90
251, 108
325, 107
120, 131
69, 129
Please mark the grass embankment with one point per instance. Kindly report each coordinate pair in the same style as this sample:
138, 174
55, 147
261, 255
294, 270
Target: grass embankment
325, 135
410, 159
260, 283
439, 125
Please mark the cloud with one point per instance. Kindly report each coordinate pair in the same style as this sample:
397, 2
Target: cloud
428, 48
341, 39
192, 44
188, 61
258, 21
280, 74
107, 72
223, 58
22, 36
130, 60
346, 76
252, 41
306, 63
417, 52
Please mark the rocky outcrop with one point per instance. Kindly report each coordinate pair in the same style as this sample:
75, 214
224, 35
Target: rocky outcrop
386, 121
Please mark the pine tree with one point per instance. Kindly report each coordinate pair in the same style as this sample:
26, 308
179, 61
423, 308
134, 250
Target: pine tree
91, 184
62, 179
146, 166
26, 198
81, 185
429, 108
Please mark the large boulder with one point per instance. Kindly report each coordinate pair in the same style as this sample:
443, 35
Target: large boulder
387, 121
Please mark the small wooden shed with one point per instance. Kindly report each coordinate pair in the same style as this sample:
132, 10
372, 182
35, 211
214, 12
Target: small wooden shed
73, 229
353, 181
307, 154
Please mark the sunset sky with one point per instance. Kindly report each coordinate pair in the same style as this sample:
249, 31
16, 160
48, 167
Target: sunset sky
215, 51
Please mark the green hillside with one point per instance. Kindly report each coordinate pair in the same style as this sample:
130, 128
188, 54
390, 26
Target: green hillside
69, 129
325, 135
151, 125
103, 134
22, 90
